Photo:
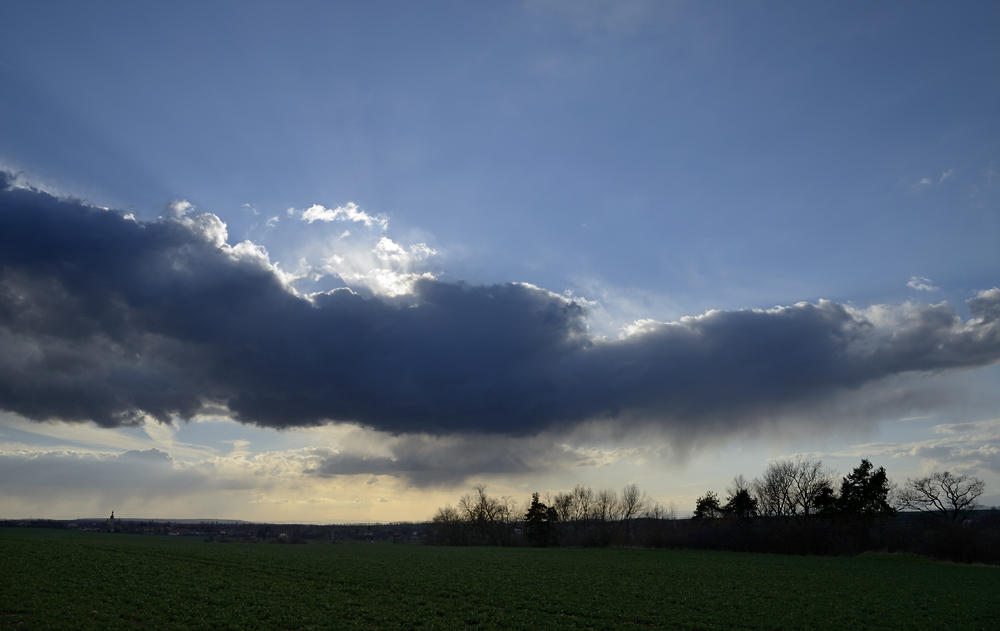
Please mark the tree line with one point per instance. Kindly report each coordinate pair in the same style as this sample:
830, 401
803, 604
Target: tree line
802, 488
795, 506
581, 516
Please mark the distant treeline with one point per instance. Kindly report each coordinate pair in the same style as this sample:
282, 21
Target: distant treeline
215, 531
794, 507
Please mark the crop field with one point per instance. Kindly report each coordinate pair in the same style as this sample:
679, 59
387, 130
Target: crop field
55, 579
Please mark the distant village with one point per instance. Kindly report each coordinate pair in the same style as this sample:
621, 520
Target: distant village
226, 531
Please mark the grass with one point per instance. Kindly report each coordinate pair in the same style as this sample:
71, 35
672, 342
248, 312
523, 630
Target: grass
55, 579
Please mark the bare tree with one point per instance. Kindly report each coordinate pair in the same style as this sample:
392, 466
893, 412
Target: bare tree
491, 518
660, 512
583, 503
449, 528
563, 503
655, 511
575, 508
739, 484
773, 489
950, 496
632, 503
446, 515
606, 506
791, 488
811, 482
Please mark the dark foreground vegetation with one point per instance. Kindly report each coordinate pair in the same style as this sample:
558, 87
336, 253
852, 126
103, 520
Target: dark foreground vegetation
53, 579
794, 507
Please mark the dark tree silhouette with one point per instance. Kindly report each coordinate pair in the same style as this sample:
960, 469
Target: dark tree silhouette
740, 501
631, 504
827, 503
797, 506
793, 488
864, 493
490, 518
950, 496
540, 523
708, 507
742, 505
449, 527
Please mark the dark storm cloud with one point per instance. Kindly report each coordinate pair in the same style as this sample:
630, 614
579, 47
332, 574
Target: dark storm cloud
107, 319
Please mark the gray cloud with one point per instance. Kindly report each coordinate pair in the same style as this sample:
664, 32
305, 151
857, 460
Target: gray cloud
133, 472
968, 448
148, 483
429, 461
107, 319
447, 461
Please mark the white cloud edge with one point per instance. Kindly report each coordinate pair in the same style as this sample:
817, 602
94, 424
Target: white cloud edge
921, 284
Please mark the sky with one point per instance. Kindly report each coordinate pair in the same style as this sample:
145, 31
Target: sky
340, 262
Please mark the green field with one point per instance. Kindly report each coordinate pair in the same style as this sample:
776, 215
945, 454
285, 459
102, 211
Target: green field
56, 579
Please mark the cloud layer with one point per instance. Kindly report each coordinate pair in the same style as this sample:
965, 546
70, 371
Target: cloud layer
106, 319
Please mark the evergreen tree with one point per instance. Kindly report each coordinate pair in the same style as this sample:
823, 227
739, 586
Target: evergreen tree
540, 523
707, 507
742, 505
864, 493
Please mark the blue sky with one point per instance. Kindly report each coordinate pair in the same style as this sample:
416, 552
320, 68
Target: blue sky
644, 162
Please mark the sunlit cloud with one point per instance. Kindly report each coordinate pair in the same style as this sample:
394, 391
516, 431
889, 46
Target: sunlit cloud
921, 284
347, 212
969, 448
